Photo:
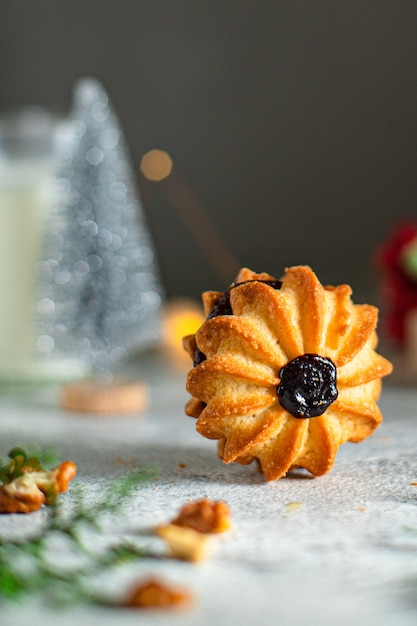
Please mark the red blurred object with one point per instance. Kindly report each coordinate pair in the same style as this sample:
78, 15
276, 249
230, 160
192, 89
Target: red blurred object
398, 286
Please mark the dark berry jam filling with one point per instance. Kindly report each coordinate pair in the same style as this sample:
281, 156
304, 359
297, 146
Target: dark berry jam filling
308, 385
199, 357
223, 307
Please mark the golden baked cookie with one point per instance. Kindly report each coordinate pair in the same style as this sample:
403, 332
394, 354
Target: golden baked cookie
285, 371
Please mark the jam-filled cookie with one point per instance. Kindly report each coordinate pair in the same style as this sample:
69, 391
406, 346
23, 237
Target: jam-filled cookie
285, 371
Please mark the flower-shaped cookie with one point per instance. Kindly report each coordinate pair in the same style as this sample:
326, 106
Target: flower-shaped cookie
285, 371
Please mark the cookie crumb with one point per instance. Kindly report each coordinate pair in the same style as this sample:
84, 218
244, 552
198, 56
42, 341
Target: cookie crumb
293, 506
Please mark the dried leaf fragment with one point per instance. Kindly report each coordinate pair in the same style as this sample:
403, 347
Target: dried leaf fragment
154, 594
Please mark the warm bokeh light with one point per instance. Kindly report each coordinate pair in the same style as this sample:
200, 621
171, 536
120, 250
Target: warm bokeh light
156, 165
180, 318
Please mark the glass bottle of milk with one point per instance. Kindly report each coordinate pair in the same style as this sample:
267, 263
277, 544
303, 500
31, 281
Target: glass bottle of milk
27, 168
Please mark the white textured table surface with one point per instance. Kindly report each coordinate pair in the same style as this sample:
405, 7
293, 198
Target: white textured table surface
348, 555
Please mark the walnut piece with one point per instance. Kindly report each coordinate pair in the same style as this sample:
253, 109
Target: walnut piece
187, 534
185, 543
29, 491
153, 594
204, 516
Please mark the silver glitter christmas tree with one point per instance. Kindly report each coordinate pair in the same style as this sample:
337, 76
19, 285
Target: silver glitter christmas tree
99, 288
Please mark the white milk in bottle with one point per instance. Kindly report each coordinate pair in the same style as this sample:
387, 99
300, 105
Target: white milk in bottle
27, 168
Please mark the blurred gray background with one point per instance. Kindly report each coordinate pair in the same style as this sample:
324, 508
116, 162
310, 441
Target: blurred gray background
293, 123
